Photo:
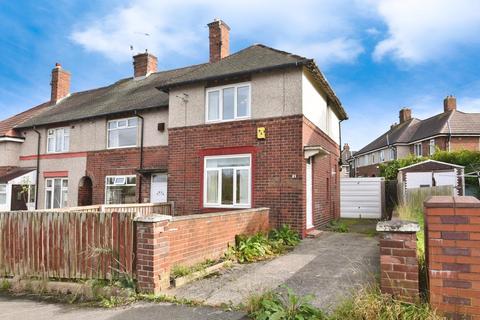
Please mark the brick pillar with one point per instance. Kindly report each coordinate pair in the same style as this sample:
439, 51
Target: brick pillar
398, 259
453, 255
152, 250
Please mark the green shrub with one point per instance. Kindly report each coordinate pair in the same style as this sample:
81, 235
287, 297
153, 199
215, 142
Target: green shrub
254, 248
286, 235
338, 226
285, 305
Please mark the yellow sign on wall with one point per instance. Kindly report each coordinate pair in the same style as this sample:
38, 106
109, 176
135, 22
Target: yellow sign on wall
261, 134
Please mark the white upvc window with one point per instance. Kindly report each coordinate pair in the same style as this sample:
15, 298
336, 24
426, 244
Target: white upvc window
58, 140
120, 189
417, 148
122, 133
432, 147
227, 181
56, 193
229, 102
382, 156
392, 154
3, 194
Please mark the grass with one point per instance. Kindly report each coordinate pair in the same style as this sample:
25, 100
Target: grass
362, 226
366, 304
179, 271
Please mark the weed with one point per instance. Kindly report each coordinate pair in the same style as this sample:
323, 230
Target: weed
5, 285
286, 235
254, 248
285, 305
338, 226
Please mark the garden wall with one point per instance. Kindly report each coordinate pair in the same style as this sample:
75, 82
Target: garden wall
453, 255
163, 241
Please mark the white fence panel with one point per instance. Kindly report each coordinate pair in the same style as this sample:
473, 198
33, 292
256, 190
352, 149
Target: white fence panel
362, 198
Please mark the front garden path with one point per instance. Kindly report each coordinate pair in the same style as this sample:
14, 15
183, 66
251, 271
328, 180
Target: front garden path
329, 267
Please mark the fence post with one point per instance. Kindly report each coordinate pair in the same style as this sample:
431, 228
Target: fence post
398, 259
152, 250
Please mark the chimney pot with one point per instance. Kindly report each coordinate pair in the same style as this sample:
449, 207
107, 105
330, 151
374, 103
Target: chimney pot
449, 103
405, 114
219, 39
144, 64
60, 83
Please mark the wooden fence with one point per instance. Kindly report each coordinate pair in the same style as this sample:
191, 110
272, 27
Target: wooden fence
67, 245
141, 209
419, 195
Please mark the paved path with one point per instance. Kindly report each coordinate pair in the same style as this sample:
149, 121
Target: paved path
13, 308
329, 267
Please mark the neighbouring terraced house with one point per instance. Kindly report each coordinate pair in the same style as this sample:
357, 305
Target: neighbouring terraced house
257, 128
450, 130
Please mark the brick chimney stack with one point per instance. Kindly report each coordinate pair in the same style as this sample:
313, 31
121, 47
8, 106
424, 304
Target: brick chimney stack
219, 40
405, 115
346, 147
144, 64
60, 83
449, 103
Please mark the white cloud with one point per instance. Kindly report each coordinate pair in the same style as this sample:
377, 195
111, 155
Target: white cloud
420, 31
324, 29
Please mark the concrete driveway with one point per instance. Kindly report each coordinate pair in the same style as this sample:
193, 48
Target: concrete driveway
329, 267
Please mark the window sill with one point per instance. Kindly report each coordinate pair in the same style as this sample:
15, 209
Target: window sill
124, 147
229, 120
227, 206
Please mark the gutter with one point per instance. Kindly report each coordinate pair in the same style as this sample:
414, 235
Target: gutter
37, 178
142, 133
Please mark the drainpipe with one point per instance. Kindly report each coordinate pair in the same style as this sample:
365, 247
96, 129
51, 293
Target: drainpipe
141, 158
340, 140
37, 178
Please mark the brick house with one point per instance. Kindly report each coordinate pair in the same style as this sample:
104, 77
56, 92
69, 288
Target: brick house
451, 130
260, 127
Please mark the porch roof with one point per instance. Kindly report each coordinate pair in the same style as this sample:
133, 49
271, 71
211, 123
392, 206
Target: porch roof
15, 173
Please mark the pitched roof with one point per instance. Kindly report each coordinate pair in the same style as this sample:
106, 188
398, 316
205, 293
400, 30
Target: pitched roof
452, 122
7, 125
15, 173
400, 133
254, 59
124, 95
131, 94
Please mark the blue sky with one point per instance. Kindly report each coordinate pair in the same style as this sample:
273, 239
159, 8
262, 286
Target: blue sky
378, 55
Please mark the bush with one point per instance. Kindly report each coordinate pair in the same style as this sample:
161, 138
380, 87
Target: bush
286, 305
389, 170
286, 235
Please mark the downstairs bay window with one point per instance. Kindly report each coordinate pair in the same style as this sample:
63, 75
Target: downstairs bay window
56, 193
120, 189
227, 181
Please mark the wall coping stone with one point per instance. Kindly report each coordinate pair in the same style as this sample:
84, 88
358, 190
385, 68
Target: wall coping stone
452, 202
153, 218
217, 214
399, 226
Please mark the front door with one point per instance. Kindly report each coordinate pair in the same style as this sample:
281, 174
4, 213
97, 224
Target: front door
308, 198
158, 189
19, 198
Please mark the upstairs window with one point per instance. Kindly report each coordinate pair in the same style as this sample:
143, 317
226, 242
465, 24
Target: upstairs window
58, 140
228, 102
432, 146
417, 149
120, 189
382, 156
122, 133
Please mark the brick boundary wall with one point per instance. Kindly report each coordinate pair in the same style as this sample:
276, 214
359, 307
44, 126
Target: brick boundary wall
398, 259
165, 241
453, 255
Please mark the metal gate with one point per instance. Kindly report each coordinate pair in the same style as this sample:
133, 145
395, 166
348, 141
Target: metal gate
362, 198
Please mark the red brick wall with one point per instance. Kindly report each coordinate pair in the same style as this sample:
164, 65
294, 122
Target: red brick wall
123, 162
453, 255
326, 175
278, 167
464, 143
192, 240
399, 265
186, 240
274, 161
369, 171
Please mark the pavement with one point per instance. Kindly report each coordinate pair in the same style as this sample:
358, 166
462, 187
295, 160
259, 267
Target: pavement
330, 267
22, 308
